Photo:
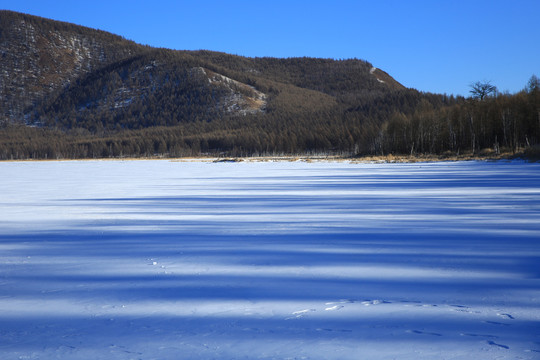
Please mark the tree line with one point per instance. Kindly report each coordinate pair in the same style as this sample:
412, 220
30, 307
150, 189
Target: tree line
485, 120
496, 121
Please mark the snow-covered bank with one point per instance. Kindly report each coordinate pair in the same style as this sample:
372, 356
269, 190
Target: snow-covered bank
191, 260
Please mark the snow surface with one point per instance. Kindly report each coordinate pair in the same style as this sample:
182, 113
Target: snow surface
195, 260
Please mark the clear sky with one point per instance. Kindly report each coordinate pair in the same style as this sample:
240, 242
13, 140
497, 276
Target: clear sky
437, 46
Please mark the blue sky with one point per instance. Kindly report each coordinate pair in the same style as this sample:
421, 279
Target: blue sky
437, 46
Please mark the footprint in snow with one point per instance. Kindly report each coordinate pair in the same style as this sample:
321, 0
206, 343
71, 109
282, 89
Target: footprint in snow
300, 313
152, 262
496, 323
507, 316
461, 308
424, 332
338, 330
480, 335
374, 302
415, 303
346, 301
493, 343
336, 304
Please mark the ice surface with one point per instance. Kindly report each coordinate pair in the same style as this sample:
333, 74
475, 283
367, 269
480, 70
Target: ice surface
195, 260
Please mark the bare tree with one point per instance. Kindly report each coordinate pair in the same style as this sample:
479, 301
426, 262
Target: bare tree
482, 89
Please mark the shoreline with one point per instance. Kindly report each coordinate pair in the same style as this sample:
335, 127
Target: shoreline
370, 159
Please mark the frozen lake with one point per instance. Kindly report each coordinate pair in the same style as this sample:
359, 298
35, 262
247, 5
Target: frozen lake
194, 260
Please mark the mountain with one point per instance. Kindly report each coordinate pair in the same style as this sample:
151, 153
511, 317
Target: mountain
41, 57
68, 91
64, 75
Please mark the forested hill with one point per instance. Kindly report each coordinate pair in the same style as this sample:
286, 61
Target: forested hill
64, 75
68, 91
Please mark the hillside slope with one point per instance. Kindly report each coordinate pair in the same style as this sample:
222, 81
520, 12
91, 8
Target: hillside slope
68, 76
40, 57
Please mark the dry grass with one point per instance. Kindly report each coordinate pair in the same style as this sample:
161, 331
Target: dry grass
531, 154
482, 155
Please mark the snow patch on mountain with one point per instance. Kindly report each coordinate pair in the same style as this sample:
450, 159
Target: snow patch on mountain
372, 71
243, 99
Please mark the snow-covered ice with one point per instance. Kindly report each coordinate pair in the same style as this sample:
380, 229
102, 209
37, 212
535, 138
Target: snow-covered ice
198, 260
